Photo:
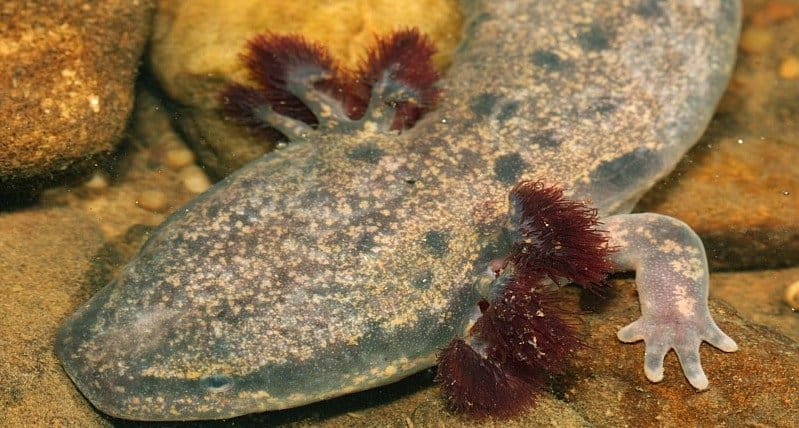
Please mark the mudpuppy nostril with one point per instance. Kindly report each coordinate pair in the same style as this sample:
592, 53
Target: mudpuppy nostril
217, 382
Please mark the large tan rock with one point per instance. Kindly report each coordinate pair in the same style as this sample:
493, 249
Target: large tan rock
66, 79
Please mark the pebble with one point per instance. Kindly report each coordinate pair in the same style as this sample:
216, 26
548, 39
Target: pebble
67, 86
792, 296
175, 159
194, 179
98, 182
773, 12
789, 68
152, 200
755, 40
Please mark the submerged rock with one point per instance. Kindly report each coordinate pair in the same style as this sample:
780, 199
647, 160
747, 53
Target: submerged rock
66, 82
34, 390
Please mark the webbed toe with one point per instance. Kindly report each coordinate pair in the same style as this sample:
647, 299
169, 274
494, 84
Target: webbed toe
719, 339
685, 339
633, 332
692, 366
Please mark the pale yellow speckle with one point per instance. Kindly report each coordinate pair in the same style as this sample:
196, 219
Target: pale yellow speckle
671, 247
686, 304
94, 103
390, 371
692, 268
256, 395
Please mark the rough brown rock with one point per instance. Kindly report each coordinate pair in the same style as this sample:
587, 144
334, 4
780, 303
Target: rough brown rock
755, 386
67, 82
760, 297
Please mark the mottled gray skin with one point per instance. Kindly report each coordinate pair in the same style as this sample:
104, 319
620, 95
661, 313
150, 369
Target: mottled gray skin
344, 261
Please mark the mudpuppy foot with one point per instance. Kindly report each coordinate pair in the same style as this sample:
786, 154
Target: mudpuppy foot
684, 336
672, 280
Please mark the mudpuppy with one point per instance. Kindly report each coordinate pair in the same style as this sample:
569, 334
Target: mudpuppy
350, 257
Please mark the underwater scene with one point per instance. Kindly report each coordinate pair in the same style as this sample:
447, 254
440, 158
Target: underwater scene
352, 213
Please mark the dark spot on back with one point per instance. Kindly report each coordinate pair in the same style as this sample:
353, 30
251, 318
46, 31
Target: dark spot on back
482, 104
366, 152
649, 8
508, 111
603, 105
626, 170
508, 168
423, 281
437, 242
179, 239
365, 243
212, 211
546, 139
374, 218
594, 39
227, 315
548, 60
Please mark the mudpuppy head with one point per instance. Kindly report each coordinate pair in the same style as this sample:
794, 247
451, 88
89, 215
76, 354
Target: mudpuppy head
227, 309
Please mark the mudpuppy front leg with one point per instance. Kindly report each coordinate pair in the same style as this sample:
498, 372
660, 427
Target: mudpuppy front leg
672, 279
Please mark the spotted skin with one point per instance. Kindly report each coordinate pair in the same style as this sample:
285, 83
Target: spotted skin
345, 260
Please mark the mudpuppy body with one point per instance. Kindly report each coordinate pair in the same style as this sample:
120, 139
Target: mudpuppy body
347, 260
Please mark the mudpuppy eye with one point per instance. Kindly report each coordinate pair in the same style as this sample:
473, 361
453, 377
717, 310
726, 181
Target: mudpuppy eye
217, 383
